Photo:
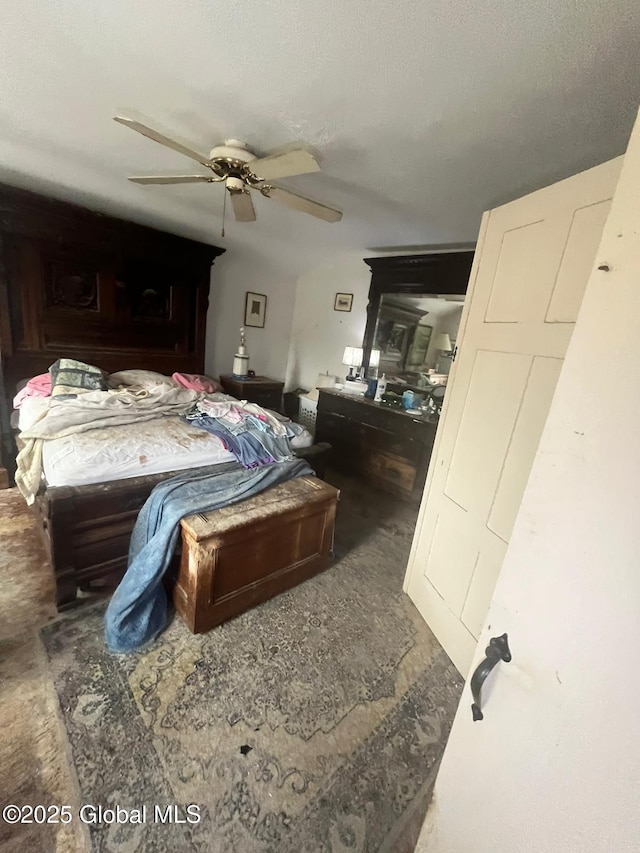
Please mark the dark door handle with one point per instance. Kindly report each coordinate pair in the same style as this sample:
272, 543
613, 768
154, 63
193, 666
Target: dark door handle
498, 649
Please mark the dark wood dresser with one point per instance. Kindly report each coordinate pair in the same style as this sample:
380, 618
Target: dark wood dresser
386, 446
257, 389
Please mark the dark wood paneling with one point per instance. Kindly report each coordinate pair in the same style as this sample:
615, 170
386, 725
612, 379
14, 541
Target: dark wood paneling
112, 293
105, 291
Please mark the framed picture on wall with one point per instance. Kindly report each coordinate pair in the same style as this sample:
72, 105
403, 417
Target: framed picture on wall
343, 302
255, 309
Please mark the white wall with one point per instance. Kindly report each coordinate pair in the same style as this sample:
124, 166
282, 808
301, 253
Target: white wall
303, 335
320, 334
233, 274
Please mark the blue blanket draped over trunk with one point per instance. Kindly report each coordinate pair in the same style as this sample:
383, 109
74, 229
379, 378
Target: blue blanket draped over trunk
137, 613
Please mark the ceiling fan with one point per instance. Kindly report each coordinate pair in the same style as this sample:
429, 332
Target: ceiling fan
240, 169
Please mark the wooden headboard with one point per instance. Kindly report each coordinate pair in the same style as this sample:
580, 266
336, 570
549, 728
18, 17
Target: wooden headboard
109, 292
102, 290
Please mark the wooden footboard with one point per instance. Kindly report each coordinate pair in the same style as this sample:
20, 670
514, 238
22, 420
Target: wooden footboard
87, 528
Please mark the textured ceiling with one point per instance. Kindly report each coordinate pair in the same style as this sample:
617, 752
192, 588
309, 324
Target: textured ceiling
424, 112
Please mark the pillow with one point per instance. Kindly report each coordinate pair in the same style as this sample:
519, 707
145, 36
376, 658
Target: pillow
197, 382
70, 378
38, 386
146, 379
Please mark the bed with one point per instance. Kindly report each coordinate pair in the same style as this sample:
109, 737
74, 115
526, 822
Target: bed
117, 295
94, 483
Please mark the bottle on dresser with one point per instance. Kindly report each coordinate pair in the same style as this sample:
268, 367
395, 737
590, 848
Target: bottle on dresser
382, 387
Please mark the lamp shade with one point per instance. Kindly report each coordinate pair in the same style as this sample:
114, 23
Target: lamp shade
374, 358
442, 341
352, 356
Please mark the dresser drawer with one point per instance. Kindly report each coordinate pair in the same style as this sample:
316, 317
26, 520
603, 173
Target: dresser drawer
394, 471
385, 446
338, 431
362, 412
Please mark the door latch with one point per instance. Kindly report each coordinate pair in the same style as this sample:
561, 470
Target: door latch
498, 649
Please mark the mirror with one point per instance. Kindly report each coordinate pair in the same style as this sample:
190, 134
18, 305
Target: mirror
416, 334
399, 335
407, 295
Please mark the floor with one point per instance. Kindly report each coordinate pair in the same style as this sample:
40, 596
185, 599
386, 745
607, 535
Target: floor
35, 758
33, 752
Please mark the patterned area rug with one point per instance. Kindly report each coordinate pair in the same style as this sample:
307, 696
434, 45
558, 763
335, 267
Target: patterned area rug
312, 722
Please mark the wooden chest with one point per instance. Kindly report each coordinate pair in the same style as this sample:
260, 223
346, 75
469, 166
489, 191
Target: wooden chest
239, 556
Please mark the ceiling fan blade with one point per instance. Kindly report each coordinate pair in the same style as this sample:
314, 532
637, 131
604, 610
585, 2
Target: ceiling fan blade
169, 179
296, 162
242, 206
300, 202
162, 139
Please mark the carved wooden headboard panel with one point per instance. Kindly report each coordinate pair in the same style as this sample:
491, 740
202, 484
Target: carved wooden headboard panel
109, 292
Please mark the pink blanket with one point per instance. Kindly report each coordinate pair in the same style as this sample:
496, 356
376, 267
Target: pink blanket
194, 382
39, 386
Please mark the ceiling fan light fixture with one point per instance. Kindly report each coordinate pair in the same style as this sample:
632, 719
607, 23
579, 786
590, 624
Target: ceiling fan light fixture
241, 202
235, 185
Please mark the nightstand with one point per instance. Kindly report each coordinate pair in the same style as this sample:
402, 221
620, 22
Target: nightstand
257, 389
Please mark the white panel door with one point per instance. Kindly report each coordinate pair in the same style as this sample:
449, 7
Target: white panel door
529, 275
554, 766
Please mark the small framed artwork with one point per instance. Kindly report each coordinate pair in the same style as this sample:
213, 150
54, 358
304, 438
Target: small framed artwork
255, 309
343, 302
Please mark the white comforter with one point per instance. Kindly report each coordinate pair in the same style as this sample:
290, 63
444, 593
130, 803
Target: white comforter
89, 411
133, 450
112, 435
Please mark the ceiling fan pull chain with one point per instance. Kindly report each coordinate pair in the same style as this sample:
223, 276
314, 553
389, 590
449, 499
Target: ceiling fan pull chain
224, 207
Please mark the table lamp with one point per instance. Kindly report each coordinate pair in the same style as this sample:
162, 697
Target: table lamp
442, 342
352, 358
241, 359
